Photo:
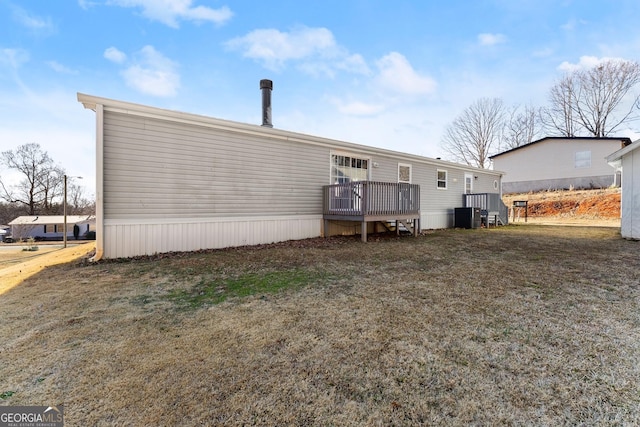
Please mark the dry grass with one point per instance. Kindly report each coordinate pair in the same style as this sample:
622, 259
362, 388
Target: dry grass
520, 325
17, 265
15, 254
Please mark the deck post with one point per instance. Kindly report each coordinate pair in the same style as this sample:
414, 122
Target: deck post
363, 226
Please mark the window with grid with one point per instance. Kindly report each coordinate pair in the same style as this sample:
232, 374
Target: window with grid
442, 179
345, 168
404, 173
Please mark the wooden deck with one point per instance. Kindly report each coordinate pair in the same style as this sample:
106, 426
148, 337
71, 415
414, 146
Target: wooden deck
369, 201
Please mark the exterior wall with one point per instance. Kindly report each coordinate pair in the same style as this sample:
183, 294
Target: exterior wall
179, 182
127, 238
562, 183
25, 231
550, 164
630, 200
437, 205
160, 169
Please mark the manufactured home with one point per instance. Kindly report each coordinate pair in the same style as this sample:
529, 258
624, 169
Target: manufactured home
51, 227
627, 161
172, 181
556, 163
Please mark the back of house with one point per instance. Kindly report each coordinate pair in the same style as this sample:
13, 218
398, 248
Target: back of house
171, 181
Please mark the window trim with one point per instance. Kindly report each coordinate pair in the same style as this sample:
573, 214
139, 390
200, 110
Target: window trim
471, 179
445, 180
352, 156
405, 165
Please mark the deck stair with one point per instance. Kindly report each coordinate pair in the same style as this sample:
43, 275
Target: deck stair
493, 210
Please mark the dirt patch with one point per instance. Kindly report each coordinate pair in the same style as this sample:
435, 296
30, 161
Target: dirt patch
596, 207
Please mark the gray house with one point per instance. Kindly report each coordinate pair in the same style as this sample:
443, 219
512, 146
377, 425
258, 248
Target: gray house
554, 163
172, 181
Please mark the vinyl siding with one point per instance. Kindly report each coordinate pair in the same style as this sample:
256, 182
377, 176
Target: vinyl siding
179, 182
160, 169
437, 205
555, 159
630, 203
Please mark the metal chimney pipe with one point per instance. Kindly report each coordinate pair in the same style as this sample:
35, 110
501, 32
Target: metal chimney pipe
266, 86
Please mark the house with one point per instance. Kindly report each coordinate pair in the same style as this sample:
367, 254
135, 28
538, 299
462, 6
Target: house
50, 227
554, 163
627, 160
172, 181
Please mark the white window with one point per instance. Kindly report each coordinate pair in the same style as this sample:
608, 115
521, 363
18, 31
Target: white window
404, 173
442, 179
468, 183
346, 168
583, 159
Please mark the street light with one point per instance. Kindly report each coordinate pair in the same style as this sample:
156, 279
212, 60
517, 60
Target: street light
64, 208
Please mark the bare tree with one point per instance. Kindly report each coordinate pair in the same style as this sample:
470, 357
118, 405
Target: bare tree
40, 182
476, 133
77, 202
522, 127
558, 118
594, 101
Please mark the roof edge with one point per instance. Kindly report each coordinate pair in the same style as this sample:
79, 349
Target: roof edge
90, 102
625, 141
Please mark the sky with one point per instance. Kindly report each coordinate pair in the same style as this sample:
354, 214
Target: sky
385, 74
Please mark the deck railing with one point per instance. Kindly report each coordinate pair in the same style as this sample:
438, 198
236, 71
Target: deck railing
489, 203
372, 199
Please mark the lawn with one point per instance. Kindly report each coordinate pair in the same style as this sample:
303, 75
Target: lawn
520, 325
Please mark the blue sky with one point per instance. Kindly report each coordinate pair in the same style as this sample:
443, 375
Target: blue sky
379, 73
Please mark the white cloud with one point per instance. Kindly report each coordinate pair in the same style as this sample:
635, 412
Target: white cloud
353, 64
14, 58
312, 50
32, 22
273, 48
115, 55
585, 62
488, 39
153, 73
571, 24
397, 74
59, 68
170, 12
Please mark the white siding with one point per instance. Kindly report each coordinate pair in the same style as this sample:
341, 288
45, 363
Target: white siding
555, 159
130, 238
630, 200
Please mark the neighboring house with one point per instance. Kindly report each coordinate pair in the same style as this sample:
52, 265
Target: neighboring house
627, 160
50, 227
171, 181
555, 163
